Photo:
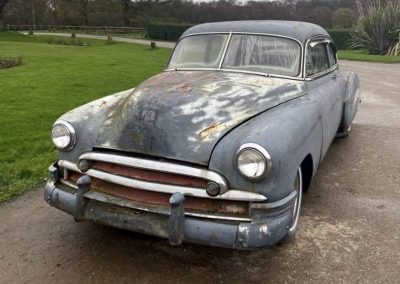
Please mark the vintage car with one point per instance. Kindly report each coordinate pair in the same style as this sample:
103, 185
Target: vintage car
219, 147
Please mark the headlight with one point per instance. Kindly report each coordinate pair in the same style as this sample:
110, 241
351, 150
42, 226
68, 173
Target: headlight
63, 135
253, 161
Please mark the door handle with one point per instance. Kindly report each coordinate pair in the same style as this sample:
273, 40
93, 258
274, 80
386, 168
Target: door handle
336, 75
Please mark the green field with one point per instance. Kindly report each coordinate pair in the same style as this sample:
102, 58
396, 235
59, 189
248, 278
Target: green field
52, 80
360, 55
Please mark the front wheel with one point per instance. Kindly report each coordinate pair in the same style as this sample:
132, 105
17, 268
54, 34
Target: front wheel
298, 187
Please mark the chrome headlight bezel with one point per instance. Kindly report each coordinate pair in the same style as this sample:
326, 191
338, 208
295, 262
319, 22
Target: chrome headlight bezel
260, 151
71, 131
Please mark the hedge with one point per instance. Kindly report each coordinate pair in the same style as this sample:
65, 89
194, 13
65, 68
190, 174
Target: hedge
172, 32
167, 31
341, 38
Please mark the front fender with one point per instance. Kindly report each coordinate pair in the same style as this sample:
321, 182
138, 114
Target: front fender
86, 121
289, 132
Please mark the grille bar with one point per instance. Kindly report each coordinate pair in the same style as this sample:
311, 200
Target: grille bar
149, 175
158, 166
156, 200
237, 195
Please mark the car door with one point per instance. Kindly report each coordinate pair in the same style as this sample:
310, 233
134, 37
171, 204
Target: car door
325, 82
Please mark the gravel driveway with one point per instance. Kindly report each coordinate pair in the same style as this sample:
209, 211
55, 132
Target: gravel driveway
349, 231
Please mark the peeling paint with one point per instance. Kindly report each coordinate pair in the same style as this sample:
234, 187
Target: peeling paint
182, 115
264, 229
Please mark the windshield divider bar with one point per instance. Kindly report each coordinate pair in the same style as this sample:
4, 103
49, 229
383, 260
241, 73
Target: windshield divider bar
224, 52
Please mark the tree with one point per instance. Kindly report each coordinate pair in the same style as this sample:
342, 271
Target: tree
133, 8
2, 5
344, 18
144, 12
322, 16
84, 11
125, 11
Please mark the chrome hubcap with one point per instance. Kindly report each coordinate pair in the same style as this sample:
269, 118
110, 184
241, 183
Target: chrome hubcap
298, 187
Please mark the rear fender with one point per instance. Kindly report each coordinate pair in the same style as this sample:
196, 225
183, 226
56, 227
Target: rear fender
351, 100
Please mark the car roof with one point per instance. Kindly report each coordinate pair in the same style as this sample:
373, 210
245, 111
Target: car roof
301, 31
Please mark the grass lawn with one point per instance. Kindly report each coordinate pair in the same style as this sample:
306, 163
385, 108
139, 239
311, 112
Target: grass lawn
360, 55
52, 80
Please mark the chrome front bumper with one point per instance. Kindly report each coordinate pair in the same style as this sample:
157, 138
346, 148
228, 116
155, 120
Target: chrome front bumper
268, 224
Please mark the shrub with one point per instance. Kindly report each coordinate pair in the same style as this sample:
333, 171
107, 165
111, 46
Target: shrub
395, 49
167, 31
377, 31
341, 38
8, 62
73, 41
61, 42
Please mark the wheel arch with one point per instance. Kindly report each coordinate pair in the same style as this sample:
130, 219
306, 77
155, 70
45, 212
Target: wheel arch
307, 167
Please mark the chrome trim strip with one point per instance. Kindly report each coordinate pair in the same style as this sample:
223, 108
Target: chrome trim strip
135, 205
236, 71
300, 76
273, 205
67, 183
164, 167
323, 73
263, 74
218, 217
314, 43
192, 69
237, 195
225, 49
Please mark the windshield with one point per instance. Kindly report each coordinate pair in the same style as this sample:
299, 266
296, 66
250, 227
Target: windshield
265, 54
256, 53
200, 51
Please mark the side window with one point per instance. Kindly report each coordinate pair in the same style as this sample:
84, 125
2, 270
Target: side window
317, 59
331, 54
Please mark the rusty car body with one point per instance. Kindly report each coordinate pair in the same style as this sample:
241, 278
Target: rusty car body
218, 148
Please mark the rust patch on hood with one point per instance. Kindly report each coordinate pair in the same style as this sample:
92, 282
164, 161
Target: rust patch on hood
103, 104
210, 130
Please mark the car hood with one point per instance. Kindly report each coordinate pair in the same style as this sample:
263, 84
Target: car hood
181, 115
